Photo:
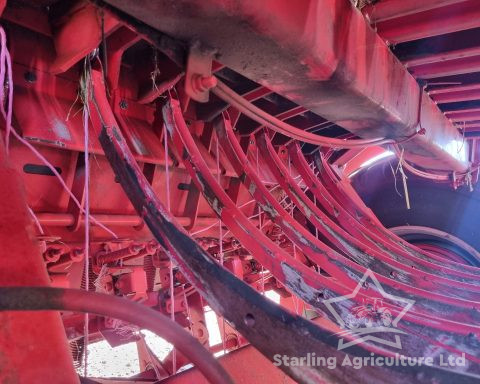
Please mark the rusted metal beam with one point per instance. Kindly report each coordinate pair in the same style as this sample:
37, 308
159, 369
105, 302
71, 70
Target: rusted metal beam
306, 52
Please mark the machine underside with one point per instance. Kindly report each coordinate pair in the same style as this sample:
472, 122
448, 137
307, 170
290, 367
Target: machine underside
301, 174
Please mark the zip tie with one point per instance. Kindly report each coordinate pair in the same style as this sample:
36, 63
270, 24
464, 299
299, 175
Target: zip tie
394, 179
404, 179
468, 179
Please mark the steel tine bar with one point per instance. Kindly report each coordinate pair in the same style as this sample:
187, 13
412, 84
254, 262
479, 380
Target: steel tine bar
363, 233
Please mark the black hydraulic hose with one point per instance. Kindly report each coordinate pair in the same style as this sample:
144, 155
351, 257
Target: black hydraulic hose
61, 299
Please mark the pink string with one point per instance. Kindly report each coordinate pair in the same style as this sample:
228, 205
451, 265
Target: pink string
220, 238
6, 66
36, 221
172, 291
3, 65
65, 187
10, 101
87, 211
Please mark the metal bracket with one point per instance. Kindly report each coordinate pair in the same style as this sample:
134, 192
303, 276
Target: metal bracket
199, 79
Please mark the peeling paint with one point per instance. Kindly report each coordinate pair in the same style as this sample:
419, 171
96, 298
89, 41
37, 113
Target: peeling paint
295, 281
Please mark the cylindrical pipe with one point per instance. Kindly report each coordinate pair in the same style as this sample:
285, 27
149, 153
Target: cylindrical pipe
248, 109
67, 220
60, 299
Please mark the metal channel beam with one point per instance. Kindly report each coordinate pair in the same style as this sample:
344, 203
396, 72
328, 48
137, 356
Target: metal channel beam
390, 9
465, 115
470, 126
457, 96
434, 22
32, 343
320, 54
446, 64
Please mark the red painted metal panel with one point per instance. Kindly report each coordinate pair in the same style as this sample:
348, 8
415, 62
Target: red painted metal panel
245, 365
390, 9
31, 344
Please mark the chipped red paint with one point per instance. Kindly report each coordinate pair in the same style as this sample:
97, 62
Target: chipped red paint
276, 213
